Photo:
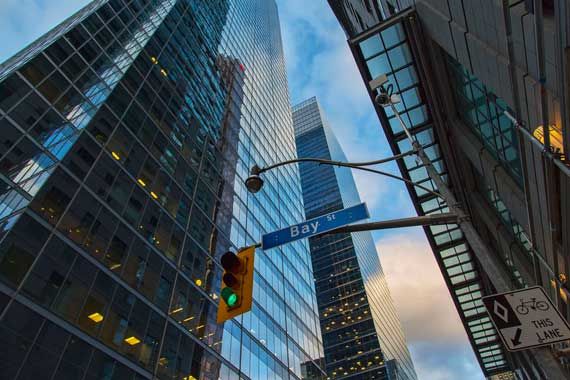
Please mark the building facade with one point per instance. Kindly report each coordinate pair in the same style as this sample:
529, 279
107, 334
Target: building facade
362, 334
356, 16
127, 133
478, 84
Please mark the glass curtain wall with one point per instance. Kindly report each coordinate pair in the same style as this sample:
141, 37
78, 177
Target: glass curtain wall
127, 133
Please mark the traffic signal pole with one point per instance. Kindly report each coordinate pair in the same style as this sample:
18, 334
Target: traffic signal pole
425, 220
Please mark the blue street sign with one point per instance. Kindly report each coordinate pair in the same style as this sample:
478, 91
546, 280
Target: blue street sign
315, 226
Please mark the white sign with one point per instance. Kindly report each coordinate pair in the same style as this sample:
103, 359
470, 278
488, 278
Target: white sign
526, 318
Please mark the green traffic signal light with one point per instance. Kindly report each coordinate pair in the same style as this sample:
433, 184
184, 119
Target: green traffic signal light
229, 296
236, 295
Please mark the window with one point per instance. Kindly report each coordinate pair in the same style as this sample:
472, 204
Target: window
19, 248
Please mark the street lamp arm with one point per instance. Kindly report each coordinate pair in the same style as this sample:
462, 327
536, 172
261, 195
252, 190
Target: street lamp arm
384, 160
403, 180
258, 170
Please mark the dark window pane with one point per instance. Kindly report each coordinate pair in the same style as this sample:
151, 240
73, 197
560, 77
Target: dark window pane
19, 249
52, 338
135, 207
17, 332
54, 86
75, 360
10, 134
102, 124
59, 51
136, 264
101, 367
54, 196
29, 111
82, 156
74, 290
48, 275
11, 91
120, 192
37, 69
80, 217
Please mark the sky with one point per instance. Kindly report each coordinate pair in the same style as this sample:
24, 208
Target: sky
320, 64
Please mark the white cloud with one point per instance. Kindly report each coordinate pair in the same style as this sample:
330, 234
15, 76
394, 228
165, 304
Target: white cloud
418, 288
437, 340
372, 189
445, 363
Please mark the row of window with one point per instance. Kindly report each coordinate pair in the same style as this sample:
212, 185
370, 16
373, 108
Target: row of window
33, 347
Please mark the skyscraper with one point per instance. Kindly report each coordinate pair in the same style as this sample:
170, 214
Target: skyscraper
478, 86
362, 334
127, 132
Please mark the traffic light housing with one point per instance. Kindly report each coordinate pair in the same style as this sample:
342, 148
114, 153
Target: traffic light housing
236, 295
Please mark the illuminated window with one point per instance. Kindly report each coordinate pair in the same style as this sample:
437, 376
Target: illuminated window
95, 317
555, 137
132, 340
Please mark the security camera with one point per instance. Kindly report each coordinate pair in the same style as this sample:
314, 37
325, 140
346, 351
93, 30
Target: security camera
385, 99
377, 82
382, 98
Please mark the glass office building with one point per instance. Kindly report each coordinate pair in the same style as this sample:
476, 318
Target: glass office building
127, 132
362, 334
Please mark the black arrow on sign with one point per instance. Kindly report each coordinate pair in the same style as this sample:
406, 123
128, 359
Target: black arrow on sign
516, 340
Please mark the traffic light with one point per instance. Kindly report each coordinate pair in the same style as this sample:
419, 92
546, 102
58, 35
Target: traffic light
237, 284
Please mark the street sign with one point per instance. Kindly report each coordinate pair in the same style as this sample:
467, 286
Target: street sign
315, 226
526, 318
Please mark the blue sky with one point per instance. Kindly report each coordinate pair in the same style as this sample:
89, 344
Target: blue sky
319, 64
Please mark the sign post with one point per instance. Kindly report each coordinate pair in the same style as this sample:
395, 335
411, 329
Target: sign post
315, 226
526, 318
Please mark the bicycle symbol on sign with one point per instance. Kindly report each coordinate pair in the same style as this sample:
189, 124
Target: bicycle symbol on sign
526, 306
